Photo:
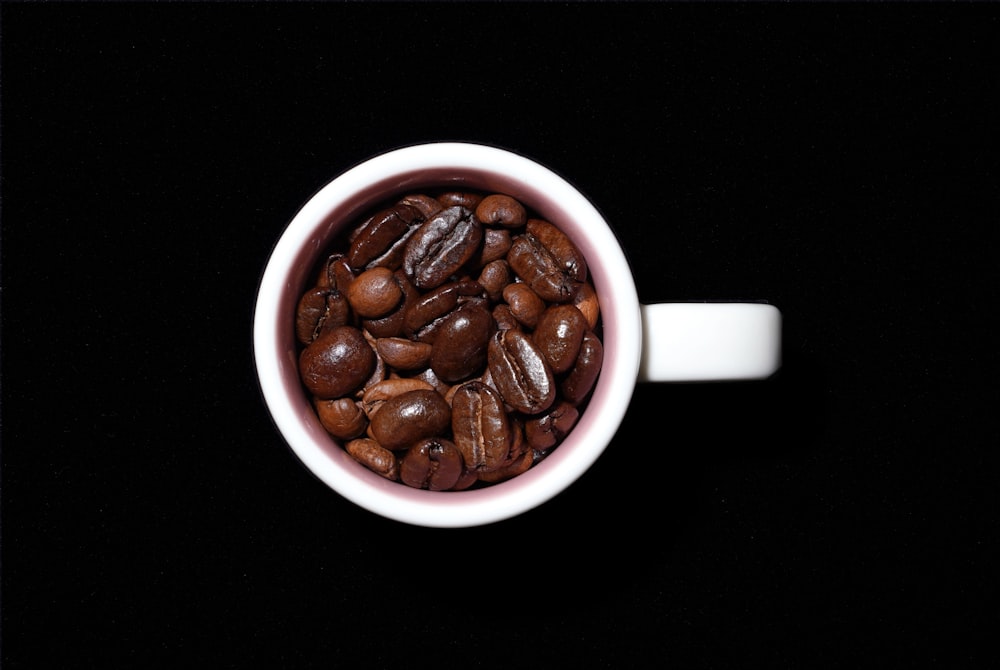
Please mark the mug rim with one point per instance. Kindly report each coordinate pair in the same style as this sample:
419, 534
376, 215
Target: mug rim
409, 169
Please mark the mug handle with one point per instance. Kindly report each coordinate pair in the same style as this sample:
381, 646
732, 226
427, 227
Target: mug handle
699, 341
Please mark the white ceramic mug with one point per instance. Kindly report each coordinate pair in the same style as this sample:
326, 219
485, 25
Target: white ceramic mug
667, 342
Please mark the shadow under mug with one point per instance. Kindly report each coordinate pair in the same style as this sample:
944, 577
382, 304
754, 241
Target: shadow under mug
664, 342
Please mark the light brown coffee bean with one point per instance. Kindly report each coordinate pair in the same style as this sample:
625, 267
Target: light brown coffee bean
374, 293
586, 301
342, 417
524, 304
392, 324
501, 210
480, 426
496, 244
403, 354
375, 457
495, 276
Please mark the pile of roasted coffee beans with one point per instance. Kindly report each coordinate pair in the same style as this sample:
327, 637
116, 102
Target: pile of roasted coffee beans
451, 341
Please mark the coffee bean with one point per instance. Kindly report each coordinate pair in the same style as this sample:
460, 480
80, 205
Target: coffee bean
549, 428
495, 276
441, 245
337, 363
519, 370
558, 335
579, 381
320, 310
392, 324
425, 204
335, 273
518, 466
501, 210
586, 301
481, 427
409, 417
376, 394
426, 314
433, 463
382, 240
374, 456
342, 417
459, 349
403, 354
375, 293
460, 198
563, 251
541, 270
496, 244
524, 304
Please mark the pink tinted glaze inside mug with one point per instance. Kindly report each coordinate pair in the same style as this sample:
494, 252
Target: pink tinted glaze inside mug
455, 166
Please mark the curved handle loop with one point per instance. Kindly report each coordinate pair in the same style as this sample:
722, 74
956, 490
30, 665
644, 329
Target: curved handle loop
689, 342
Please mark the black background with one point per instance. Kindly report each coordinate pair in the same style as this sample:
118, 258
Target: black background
834, 159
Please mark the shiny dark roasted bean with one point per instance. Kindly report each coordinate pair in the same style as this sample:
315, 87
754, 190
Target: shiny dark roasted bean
557, 243
425, 204
549, 428
520, 372
542, 270
383, 238
434, 464
518, 466
376, 394
427, 311
441, 246
337, 363
558, 335
580, 379
459, 349
375, 457
409, 417
335, 273
480, 427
